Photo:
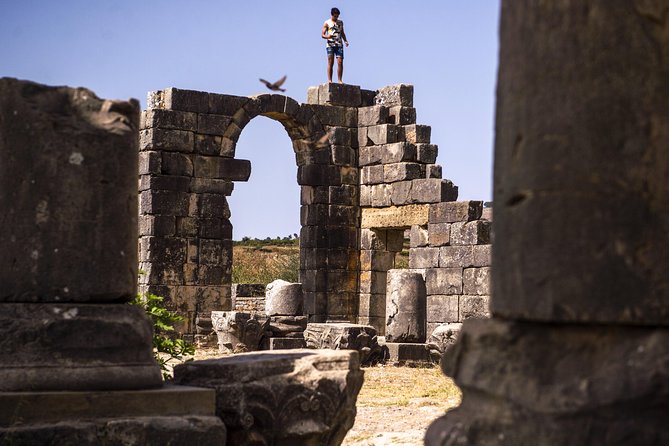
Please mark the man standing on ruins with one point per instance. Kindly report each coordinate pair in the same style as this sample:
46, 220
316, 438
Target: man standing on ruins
333, 32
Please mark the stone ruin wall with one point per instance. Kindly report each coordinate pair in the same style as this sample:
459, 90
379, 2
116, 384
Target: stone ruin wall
367, 174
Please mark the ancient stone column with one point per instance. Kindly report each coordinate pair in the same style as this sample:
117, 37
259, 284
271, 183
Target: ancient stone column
406, 301
576, 352
284, 299
68, 242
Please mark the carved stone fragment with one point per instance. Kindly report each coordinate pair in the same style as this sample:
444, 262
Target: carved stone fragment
239, 332
301, 397
442, 338
344, 336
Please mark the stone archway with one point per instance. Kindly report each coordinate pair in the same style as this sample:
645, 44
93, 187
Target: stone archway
187, 169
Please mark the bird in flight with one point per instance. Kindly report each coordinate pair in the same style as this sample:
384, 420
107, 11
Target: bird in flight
276, 86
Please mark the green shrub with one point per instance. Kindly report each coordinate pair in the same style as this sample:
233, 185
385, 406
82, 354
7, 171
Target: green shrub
166, 346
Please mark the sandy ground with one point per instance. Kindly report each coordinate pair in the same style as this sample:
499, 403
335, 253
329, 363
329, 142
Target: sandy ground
395, 405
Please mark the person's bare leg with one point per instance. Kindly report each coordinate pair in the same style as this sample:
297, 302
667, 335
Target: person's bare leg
340, 69
330, 64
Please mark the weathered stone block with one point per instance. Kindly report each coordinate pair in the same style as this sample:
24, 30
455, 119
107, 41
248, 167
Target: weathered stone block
312, 95
164, 182
373, 282
177, 164
331, 115
344, 156
375, 115
281, 397
433, 190
401, 94
381, 195
451, 212
211, 186
343, 215
416, 134
382, 134
346, 194
476, 281
341, 136
69, 208
222, 168
423, 257
407, 354
456, 256
401, 115
398, 152
564, 410
208, 144
403, 172
209, 206
159, 225
433, 171
164, 202
116, 354
284, 298
395, 216
225, 104
165, 139
339, 94
427, 153
445, 281
442, 308
482, 255
178, 99
418, 237
363, 140
150, 163
400, 193
475, 232
212, 124
168, 119
372, 239
374, 260
373, 304
474, 307
439, 234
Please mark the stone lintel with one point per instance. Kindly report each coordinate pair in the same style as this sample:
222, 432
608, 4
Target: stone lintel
395, 216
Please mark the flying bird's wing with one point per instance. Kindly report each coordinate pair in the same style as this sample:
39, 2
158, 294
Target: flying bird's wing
267, 83
280, 82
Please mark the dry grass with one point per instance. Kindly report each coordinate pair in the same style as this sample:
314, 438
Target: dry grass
404, 386
264, 264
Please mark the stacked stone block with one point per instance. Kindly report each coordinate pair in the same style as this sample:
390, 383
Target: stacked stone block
187, 169
378, 248
454, 250
329, 252
248, 297
397, 161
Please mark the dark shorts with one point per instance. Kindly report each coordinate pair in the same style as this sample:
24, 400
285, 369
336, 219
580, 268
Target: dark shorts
336, 51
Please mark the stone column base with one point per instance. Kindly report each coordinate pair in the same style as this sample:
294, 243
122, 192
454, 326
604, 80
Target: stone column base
531, 383
75, 347
175, 415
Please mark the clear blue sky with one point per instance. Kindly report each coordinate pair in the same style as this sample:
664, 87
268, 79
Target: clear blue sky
446, 48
